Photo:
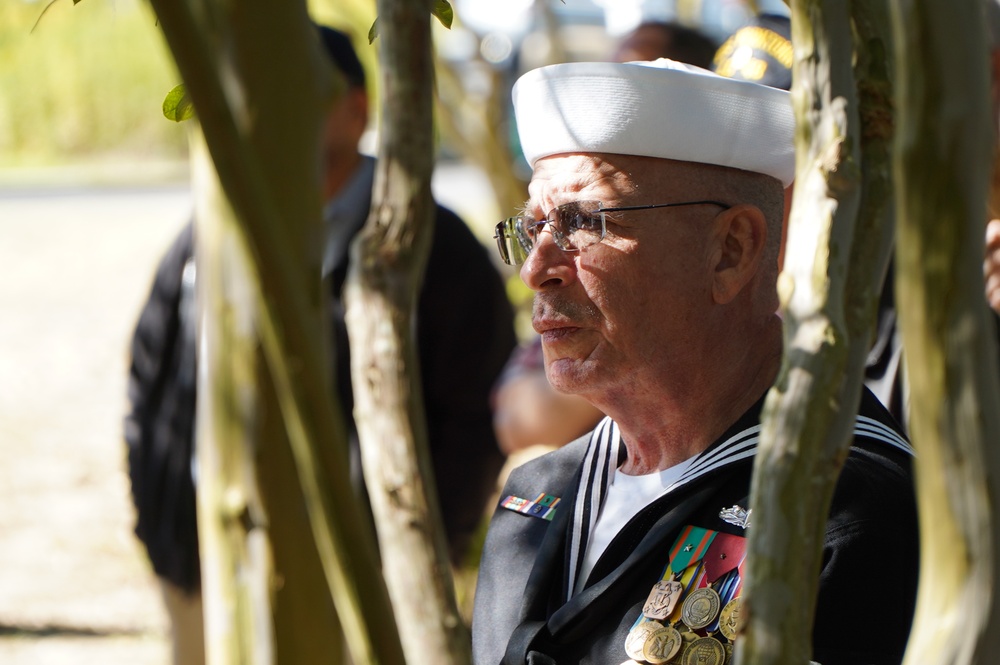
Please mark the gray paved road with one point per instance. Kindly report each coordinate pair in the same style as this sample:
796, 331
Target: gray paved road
75, 265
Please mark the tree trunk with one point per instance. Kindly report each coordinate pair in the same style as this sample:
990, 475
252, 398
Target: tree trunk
838, 245
943, 160
387, 266
260, 109
231, 514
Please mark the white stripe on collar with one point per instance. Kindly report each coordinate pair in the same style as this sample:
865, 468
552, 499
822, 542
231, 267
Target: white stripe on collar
601, 461
599, 464
873, 429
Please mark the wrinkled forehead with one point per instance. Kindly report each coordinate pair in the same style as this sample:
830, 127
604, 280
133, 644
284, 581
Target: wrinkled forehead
562, 178
606, 177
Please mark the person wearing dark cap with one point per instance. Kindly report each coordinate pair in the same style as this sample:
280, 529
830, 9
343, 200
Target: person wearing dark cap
651, 239
760, 51
464, 328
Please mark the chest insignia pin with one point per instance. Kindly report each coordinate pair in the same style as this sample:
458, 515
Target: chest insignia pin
736, 515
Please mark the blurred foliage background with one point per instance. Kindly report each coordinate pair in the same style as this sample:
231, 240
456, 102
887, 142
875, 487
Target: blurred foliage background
84, 83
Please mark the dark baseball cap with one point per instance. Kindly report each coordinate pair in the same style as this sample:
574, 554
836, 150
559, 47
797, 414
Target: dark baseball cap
338, 46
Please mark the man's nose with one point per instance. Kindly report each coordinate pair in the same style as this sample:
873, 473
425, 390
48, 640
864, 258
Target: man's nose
547, 266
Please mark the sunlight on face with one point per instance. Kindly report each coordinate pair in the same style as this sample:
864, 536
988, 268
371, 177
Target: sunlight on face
628, 308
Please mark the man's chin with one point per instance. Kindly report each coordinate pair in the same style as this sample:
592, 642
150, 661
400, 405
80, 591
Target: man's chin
566, 376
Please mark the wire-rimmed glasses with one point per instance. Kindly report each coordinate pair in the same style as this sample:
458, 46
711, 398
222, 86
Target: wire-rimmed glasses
574, 226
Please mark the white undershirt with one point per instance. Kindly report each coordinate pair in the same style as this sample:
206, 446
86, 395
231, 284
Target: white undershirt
627, 495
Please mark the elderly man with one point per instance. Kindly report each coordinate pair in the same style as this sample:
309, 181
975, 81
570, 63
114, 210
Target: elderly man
651, 241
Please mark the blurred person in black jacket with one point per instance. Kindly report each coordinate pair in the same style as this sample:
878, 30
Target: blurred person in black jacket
464, 333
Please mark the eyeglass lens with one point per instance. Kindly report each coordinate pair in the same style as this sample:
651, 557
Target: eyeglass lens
512, 249
574, 226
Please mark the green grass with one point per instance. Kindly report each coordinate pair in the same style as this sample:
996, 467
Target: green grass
87, 84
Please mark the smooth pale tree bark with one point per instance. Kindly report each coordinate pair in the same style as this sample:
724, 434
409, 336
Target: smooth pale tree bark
943, 158
230, 509
277, 462
387, 265
838, 246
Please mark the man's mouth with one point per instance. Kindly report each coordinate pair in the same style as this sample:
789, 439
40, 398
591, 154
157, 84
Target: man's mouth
552, 331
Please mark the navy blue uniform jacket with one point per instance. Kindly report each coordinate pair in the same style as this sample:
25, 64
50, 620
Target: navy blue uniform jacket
871, 547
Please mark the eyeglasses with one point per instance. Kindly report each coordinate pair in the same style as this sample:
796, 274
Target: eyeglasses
574, 226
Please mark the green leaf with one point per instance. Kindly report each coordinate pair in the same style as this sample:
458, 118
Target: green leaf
444, 12
177, 106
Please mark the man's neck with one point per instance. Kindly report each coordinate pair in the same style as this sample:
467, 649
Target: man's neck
682, 421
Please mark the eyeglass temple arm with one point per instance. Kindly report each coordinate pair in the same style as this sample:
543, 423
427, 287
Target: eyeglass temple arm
665, 205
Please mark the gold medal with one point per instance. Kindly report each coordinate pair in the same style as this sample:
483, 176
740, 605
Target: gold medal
729, 623
662, 645
704, 651
663, 599
637, 637
729, 651
687, 639
700, 608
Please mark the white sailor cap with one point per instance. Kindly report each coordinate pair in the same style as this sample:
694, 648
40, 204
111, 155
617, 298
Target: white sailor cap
660, 109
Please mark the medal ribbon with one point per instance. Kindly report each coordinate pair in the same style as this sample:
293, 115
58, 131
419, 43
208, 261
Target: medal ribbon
690, 547
722, 562
725, 553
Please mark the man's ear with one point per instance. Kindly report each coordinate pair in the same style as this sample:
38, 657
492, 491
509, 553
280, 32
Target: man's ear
742, 234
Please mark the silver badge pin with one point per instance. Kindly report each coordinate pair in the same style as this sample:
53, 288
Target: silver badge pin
736, 515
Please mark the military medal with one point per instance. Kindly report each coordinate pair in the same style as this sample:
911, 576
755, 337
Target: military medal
637, 637
662, 645
729, 622
687, 639
685, 555
682, 601
700, 608
663, 599
704, 651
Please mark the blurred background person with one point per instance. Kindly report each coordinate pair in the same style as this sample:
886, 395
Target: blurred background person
760, 51
464, 331
655, 39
